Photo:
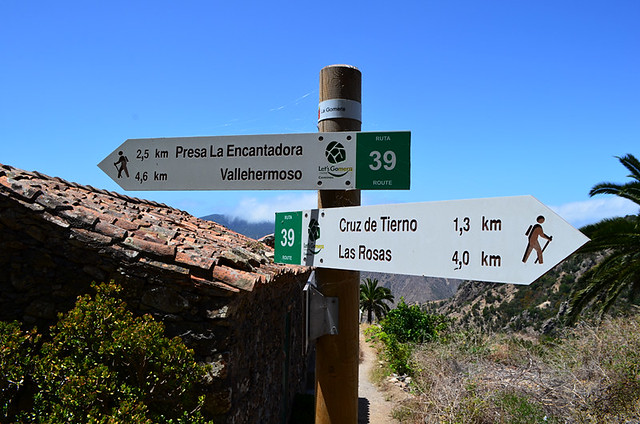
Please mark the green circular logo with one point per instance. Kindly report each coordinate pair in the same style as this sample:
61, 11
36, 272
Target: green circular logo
314, 230
335, 152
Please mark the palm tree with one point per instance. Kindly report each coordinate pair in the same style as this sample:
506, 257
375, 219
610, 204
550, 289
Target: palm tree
373, 298
620, 238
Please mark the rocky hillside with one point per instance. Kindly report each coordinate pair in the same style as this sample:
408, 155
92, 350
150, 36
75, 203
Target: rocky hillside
495, 306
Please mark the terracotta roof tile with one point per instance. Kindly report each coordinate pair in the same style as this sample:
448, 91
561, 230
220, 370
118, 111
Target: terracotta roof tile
120, 253
90, 237
195, 261
53, 201
110, 230
79, 216
202, 282
126, 224
55, 220
165, 266
236, 278
155, 249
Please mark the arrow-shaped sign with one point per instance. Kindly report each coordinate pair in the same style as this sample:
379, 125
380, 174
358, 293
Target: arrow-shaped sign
495, 239
327, 161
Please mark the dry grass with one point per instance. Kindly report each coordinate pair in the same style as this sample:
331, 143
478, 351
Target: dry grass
591, 374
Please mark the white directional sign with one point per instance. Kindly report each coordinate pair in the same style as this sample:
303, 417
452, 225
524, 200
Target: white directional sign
507, 239
342, 160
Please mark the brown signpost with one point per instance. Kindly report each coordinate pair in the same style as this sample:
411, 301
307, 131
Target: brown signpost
337, 355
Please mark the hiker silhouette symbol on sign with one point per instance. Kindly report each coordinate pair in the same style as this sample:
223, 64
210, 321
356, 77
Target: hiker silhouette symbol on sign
122, 161
534, 232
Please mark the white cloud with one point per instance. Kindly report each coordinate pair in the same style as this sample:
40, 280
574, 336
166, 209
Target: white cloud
593, 210
263, 210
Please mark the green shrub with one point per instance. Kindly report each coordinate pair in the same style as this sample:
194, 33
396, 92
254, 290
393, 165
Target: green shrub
103, 365
401, 329
409, 324
17, 362
397, 354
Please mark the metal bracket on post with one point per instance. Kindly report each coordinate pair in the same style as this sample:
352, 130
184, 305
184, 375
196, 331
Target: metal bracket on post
322, 312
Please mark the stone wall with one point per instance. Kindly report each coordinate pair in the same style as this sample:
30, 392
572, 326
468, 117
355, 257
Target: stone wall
216, 289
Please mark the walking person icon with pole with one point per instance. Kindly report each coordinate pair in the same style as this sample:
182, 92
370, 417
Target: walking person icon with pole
534, 232
122, 161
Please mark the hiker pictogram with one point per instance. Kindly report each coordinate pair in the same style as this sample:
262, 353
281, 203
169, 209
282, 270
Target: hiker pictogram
534, 232
122, 161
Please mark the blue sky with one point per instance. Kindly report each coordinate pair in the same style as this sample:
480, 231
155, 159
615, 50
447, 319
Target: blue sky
502, 97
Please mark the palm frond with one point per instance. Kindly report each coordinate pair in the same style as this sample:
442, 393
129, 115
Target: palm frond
605, 188
629, 190
620, 238
628, 276
632, 164
612, 233
581, 298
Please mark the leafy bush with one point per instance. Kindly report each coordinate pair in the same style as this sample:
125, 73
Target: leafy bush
403, 327
17, 362
409, 324
102, 365
397, 354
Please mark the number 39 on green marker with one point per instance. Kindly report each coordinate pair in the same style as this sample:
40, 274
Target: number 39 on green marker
383, 160
288, 238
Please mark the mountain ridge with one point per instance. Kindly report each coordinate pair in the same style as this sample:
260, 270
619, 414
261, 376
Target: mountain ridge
255, 230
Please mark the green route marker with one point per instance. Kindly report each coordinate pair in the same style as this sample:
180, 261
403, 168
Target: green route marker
288, 225
383, 160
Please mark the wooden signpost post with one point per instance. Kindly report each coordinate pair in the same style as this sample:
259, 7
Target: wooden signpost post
337, 355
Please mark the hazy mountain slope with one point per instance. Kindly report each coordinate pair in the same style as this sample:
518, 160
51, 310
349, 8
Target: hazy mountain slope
414, 289
255, 230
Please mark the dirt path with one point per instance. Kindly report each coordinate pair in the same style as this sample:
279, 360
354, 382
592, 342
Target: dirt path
374, 408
